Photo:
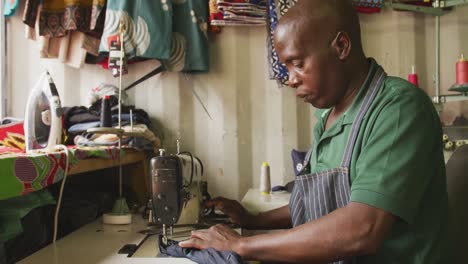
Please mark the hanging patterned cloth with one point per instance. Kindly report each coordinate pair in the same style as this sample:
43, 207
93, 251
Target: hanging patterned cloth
172, 31
147, 27
276, 9
59, 16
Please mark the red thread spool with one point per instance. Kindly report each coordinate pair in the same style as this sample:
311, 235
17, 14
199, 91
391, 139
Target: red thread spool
462, 71
413, 77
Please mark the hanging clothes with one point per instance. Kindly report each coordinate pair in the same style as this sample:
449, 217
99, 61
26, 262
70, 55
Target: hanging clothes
65, 29
189, 48
147, 27
276, 9
9, 9
59, 16
171, 31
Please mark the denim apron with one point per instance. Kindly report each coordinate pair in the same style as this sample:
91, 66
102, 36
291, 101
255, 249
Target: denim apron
317, 194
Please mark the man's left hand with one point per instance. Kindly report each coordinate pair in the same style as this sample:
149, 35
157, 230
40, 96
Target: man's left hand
219, 237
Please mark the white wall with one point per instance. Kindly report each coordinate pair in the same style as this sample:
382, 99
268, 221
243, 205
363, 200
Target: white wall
2, 63
252, 120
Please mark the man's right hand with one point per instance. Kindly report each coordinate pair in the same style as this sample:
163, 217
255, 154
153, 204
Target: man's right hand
233, 209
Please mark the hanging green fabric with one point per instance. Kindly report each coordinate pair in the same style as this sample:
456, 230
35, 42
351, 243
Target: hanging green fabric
147, 27
189, 50
172, 31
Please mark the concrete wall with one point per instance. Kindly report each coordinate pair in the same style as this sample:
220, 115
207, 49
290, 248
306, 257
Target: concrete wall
252, 120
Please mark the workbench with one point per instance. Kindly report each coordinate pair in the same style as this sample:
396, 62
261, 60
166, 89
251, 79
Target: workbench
100, 243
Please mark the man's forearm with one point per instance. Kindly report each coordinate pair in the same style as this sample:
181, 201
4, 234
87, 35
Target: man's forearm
342, 234
279, 218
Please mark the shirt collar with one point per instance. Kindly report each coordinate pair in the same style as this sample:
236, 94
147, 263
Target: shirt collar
353, 110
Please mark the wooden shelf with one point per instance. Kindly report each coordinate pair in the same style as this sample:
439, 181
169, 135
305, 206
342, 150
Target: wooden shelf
130, 157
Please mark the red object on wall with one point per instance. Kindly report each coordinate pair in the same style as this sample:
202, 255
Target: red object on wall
413, 77
462, 71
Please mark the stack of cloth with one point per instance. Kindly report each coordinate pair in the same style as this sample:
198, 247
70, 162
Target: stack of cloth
375, 6
238, 12
368, 6
78, 119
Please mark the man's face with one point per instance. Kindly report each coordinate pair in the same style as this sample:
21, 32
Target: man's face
312, 66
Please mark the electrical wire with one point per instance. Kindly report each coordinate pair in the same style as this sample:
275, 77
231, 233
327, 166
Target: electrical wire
192, 157
62, 186
192, 165
201, 168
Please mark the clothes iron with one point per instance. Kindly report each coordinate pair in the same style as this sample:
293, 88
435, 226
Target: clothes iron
178, 190
43, 122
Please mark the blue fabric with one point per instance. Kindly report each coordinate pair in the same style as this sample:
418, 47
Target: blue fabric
81, 127
278, 71
207, 256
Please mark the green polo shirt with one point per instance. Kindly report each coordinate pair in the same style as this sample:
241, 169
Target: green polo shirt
397, 165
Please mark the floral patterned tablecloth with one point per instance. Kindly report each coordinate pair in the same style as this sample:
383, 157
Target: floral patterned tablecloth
22, 173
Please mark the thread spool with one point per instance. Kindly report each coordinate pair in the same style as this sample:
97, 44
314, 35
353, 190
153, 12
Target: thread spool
449, 146
445, 138
462, 71
106, 117
459, 143
413, 76
265, 182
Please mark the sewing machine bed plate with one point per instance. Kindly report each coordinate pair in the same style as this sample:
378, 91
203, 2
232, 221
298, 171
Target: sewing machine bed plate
100, 243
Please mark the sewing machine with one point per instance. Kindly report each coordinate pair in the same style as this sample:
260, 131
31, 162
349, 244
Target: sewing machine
178, 191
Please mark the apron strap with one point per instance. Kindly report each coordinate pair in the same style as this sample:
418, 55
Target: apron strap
374, 87
306, 161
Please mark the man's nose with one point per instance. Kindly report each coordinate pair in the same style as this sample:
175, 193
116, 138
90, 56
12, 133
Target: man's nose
293, 81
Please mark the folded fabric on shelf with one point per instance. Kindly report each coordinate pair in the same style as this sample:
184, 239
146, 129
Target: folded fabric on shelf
368, 6
238, 12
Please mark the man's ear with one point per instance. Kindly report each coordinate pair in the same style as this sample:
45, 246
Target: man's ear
342, 45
